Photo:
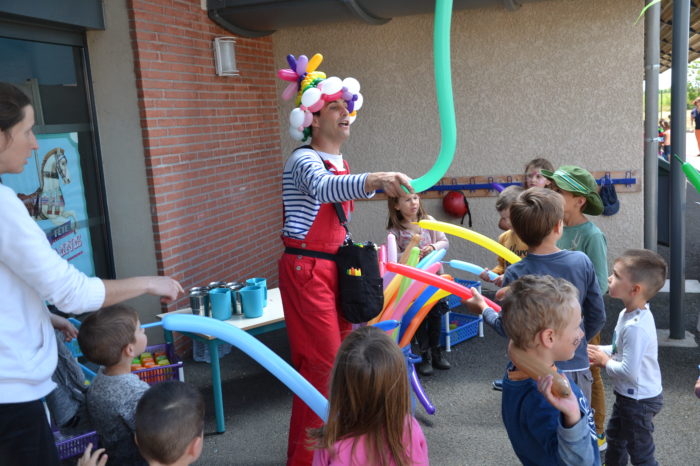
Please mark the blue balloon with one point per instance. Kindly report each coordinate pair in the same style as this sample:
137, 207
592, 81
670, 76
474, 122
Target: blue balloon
415, 307
256, 350
471, 268
431, 258
386, 325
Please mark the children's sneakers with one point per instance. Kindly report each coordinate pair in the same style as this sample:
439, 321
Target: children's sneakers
602, 442
497, 385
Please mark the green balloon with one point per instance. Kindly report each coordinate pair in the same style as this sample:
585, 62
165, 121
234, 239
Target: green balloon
690, 172
443, 85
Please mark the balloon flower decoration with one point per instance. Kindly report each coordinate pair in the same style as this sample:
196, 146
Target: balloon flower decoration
312, 90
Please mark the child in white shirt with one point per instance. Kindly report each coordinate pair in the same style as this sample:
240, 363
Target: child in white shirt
632, 359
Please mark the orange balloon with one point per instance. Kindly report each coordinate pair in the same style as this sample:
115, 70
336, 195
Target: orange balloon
387, 303
420, 315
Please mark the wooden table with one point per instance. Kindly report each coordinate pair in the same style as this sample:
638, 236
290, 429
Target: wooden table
272, 319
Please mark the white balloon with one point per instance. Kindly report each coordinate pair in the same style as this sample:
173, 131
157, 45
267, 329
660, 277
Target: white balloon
310, 97
358, 102
296, 134
351, 119
352, 85
296, 117
331, 85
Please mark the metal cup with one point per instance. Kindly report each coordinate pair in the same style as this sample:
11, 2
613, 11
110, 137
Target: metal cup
236, 303
217, 285
199, 303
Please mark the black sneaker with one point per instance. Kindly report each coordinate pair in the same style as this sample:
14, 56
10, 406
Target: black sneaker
497, 385
425, 367
439, 360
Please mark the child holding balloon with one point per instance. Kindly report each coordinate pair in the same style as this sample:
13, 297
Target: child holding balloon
369, 418
547, 418
404, 213
508, 238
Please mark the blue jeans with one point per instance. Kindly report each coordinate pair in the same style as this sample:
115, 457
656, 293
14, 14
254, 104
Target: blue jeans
630, 431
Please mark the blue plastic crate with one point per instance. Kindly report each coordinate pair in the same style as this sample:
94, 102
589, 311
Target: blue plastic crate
467, 327
453, 300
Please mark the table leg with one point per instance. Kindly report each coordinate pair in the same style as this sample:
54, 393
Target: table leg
216, 386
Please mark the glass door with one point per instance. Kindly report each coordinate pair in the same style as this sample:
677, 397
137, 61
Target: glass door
62, 184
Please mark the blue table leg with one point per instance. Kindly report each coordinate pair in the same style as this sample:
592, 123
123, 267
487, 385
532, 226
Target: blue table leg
216, 386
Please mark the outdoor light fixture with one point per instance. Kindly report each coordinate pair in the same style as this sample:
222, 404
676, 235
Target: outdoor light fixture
225, 56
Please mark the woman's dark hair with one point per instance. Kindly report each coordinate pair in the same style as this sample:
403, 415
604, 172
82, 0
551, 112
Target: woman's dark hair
12, 103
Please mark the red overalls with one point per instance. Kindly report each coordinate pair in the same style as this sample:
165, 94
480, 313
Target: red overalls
315, 326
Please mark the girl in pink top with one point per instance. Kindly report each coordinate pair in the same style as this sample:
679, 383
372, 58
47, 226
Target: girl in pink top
369, 419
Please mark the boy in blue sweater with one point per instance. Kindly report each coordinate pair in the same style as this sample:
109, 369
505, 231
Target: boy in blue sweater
537, 218
542, 317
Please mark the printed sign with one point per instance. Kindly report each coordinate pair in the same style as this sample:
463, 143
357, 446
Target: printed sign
51, 187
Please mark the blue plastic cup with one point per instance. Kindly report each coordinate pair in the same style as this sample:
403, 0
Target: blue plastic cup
262, 283
252, 298
220, 302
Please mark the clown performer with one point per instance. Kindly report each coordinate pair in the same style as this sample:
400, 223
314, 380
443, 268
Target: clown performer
315, 177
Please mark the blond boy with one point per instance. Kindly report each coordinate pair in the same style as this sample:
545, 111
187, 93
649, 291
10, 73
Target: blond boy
542, 318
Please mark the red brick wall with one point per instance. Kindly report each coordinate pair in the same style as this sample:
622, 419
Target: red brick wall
212, 146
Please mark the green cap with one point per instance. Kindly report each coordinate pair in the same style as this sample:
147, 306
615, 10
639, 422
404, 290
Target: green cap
579, 181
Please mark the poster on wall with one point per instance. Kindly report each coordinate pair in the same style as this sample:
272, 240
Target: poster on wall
51, 187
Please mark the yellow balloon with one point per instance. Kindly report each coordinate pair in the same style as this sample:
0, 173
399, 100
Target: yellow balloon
469, 235
314, 62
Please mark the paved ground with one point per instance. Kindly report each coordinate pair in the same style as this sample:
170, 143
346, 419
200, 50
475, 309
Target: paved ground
466, 430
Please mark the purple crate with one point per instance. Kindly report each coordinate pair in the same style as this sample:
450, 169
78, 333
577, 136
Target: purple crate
172, 371
75, 446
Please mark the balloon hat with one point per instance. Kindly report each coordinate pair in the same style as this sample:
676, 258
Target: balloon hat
313, 90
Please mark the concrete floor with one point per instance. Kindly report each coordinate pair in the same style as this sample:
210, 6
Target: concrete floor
467, 427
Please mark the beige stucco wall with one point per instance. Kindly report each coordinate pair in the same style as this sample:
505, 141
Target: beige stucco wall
558, 79
114, 85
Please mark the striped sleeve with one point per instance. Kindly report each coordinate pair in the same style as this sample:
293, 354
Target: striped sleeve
306, 184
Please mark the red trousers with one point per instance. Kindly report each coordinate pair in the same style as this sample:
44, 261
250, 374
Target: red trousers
309, 288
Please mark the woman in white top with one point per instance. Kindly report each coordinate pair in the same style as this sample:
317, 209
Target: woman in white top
32, 273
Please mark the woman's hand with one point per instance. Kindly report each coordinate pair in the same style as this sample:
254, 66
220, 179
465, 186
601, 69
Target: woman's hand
64, 326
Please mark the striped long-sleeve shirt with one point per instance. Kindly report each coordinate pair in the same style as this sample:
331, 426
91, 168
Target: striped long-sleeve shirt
306, 184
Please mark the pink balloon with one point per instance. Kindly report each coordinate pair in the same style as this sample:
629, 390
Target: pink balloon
308, 117
412, 291
382, 253
332, 97
434, 280
391, 248
317, 106
290, 91
302, 61
287, 74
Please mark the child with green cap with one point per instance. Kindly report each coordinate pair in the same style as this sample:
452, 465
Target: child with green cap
581, 198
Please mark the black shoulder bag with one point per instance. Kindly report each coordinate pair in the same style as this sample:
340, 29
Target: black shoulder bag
359, 281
